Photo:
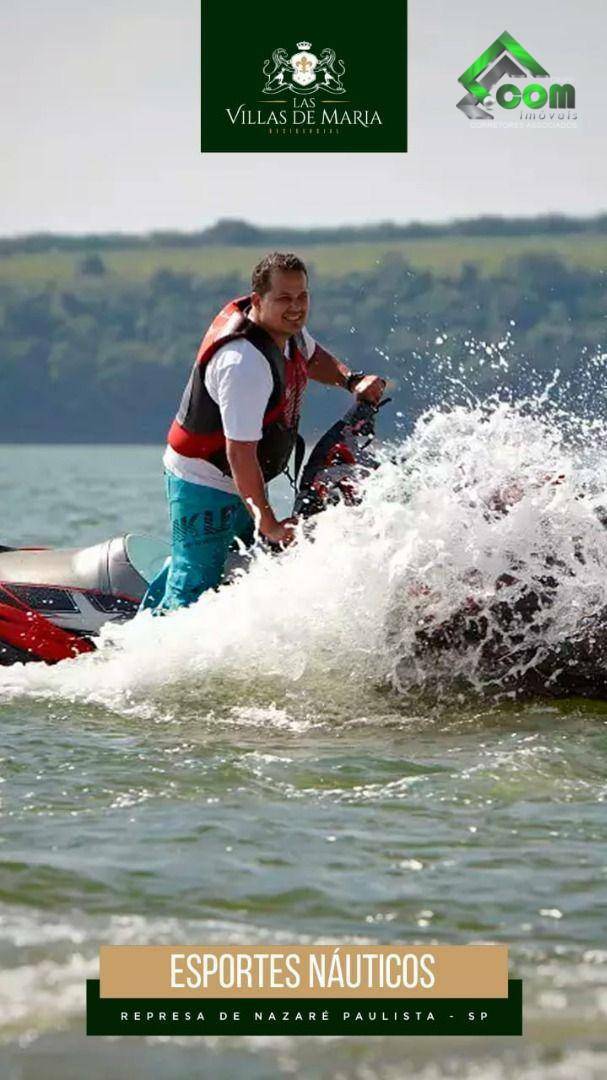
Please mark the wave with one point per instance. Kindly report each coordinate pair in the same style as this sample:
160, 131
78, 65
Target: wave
482, 507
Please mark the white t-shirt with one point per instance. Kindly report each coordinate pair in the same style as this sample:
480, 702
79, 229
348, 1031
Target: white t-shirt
239, 380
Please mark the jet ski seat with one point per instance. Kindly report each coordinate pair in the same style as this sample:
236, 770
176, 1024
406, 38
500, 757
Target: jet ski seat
122, 566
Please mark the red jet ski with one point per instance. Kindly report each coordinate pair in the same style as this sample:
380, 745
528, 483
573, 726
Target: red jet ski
54, 602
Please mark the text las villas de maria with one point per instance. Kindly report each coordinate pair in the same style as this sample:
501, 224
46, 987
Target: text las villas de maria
306, 114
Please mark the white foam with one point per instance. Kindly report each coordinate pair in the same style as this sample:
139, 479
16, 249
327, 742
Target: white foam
344, 608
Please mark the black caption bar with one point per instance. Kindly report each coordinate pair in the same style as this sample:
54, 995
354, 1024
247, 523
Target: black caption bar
281, 1016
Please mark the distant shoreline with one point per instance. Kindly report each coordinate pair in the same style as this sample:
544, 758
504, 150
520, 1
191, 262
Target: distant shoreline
241, 233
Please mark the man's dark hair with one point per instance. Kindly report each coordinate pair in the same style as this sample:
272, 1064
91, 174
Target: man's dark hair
276, 260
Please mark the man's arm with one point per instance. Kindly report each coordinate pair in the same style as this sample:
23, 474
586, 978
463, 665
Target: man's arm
241, 390
249, 481
325, 368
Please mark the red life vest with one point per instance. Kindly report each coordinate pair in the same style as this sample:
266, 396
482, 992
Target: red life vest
197, 430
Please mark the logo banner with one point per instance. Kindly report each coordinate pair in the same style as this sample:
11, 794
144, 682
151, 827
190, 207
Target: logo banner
311, 79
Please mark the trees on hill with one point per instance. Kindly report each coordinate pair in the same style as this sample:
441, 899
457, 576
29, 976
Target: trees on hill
105, 360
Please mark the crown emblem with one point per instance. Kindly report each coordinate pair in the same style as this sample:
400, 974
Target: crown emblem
303, 73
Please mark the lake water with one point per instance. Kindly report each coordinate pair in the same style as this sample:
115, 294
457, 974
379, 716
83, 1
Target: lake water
248, 772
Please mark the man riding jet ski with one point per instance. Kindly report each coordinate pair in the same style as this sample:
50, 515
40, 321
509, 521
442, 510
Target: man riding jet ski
54, 602
236, 426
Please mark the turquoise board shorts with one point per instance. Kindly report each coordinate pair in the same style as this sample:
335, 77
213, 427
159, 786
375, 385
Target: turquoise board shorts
205, 523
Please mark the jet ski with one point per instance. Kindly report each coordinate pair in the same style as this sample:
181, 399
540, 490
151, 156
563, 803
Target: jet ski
340, 460
53, 602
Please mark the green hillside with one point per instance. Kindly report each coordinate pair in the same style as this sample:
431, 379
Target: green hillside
443, 255
98, 333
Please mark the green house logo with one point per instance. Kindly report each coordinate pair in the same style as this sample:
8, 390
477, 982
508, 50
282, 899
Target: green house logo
505, 59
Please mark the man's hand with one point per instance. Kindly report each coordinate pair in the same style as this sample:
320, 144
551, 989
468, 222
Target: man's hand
280, 532
370, 388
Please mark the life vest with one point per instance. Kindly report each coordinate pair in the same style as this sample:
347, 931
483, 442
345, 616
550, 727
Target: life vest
197, 430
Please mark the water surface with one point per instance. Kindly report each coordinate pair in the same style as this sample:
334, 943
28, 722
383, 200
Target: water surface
251, 774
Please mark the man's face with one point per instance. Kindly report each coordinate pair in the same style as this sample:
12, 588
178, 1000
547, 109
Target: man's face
283, 309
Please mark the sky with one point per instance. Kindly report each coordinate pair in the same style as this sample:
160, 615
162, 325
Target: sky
100, 125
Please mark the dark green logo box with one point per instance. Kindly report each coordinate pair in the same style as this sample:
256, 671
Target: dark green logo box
304, 1016
324, 77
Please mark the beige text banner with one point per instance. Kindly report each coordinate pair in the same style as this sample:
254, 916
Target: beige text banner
295, 971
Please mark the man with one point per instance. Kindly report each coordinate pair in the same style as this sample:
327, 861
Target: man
237, 426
